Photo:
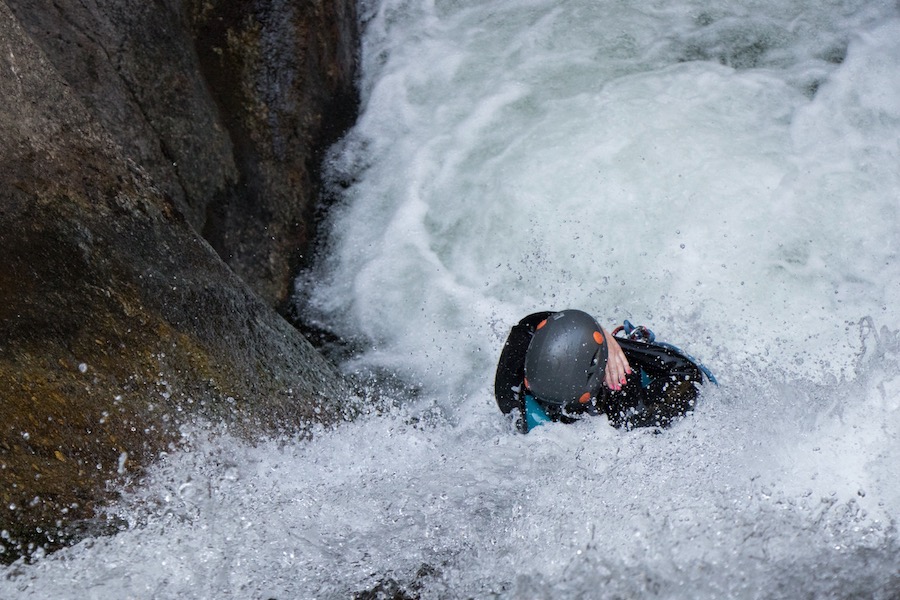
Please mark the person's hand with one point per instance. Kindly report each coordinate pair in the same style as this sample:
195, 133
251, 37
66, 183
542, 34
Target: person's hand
617, 366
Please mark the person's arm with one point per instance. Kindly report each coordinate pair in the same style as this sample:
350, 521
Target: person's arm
617, 366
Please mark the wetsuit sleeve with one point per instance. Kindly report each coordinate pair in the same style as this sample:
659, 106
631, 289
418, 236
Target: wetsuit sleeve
510, 376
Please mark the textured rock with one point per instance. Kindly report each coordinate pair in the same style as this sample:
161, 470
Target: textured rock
225, 103
283, 74
119, 323
132, 65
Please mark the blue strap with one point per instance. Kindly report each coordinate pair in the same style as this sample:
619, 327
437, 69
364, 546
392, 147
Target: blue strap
642, 334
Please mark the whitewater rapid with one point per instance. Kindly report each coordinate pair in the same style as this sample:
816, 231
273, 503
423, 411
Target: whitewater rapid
727, 174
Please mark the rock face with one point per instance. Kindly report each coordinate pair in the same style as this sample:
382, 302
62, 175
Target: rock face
225, 103
130, 129
272, 66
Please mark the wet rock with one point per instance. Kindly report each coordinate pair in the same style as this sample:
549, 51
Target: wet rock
283, 75
226, 104
119, 324
133, 67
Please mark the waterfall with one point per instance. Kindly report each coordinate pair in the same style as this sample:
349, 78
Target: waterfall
726, 174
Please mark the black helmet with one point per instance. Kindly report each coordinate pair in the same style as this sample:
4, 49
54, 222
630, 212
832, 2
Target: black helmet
566, 358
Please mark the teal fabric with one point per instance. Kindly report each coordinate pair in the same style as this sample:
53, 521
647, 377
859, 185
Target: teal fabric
646, 380
534, 414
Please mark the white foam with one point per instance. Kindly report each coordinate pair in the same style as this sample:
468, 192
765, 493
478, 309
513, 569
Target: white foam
594, 170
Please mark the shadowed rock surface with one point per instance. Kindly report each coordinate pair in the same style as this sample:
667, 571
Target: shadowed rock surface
226, 104
119, 322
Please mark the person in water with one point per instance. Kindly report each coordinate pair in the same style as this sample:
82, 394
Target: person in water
559, 366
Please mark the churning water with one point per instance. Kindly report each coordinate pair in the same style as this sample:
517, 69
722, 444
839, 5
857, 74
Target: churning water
726, 173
